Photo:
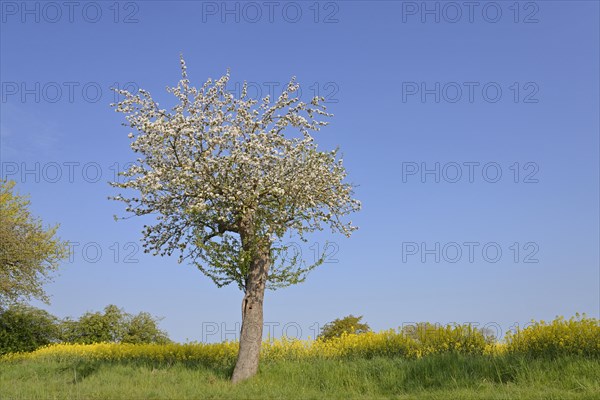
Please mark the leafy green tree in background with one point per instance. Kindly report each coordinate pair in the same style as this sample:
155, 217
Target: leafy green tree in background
25, 328
349, 324
142, 328
28, 252
113, 325
94, 327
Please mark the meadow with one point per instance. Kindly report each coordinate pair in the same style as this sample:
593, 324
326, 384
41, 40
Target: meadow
555, 360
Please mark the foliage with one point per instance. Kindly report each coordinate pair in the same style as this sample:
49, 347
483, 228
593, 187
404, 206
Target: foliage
143, 328
434, 338
28, 252
113, 326
578, 335
25, 328
96, 327
348, 324
224, 179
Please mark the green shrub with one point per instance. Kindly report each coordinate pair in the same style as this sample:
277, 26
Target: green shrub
435, 338
142, 328
113, 326
347, 325
24, 328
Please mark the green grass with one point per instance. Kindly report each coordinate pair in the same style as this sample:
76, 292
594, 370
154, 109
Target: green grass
445, 376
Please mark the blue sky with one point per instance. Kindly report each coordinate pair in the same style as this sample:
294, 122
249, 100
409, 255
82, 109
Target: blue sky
494, 89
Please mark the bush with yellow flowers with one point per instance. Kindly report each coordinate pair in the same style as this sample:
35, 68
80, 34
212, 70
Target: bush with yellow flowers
578, 335
434, 338
208, 354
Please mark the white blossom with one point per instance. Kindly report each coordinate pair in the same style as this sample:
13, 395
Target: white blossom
214, 162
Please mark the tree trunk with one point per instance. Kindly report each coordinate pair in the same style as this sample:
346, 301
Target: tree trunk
252, 317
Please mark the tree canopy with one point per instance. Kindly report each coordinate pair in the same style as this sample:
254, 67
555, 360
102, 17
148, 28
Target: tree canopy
25, 328
220, 173
29, 253
349, 325
113, 325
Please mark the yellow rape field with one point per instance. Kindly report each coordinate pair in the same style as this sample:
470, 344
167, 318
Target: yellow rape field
577, 336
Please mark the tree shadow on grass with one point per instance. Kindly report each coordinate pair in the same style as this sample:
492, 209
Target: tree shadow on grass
81, 369
219, 370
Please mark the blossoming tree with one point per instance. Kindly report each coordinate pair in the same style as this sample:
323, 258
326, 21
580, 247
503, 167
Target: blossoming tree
227, 178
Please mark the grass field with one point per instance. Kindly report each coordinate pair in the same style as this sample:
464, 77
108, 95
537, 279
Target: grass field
443, 376
546, 360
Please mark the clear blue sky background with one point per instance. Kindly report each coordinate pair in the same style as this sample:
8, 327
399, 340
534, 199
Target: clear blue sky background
362, 58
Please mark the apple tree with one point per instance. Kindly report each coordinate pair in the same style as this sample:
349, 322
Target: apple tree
226, 177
